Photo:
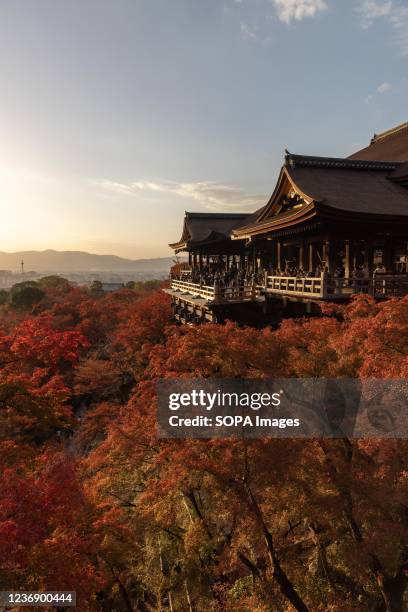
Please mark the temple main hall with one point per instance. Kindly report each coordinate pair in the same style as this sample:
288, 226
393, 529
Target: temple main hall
332, 228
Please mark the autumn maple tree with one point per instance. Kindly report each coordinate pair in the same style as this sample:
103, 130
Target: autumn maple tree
92, 500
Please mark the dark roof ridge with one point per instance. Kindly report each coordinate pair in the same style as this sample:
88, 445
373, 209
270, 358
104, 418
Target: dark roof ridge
208, 215
390, 132
294, 160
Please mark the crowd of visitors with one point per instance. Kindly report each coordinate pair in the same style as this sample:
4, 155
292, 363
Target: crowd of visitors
235, 276
225, 278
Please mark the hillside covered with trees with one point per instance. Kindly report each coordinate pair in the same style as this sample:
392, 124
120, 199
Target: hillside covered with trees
91, 500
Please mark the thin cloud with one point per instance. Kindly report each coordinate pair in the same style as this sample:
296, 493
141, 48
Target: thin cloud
380, 90
369, 10
115, 187
296, 10
383, 88
147, 186
248, 32
395, 15
255, 29
399, 21
213, 196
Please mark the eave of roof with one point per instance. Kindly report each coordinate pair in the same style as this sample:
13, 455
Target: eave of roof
200, 228
321, 183
391, 145
301, 215
204, 215
262, 219
400, 175
312, 161
383, 159
178, 246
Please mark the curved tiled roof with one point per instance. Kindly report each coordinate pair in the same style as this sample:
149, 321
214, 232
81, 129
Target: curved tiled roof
371, 184
373, 189
208, 227
400, 175
363, 189
391, 145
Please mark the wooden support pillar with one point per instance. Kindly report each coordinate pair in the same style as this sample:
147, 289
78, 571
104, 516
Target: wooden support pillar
279, 255
334, 256
201, 260
266, 260
328, 256
368, 257
189, 258
323, 286
388, 257
301, 262
349, 259
272, 251
311, 257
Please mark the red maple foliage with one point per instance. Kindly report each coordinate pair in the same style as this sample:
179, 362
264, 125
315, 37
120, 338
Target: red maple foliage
91, 500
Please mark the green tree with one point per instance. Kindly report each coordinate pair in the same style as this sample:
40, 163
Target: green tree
24, 295
3, 296
149, 285
22, 285
96, 287
57, 283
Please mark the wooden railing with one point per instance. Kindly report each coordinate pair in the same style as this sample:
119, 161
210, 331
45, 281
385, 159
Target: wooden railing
217, 293
310, 286
323, 286
331, 288
237, 293
338, 287
193, 289
317, 287
390, 285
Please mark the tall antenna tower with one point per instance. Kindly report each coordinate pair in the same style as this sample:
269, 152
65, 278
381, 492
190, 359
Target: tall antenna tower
22, 266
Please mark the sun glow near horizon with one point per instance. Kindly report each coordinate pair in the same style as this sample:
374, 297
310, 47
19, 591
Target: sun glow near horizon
116, 119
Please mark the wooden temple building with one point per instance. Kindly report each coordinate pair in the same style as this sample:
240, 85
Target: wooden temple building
332, 227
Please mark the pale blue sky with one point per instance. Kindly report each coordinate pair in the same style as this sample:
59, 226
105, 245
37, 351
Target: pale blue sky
118, 115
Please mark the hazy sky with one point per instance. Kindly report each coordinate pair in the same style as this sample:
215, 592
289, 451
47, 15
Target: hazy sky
116, 116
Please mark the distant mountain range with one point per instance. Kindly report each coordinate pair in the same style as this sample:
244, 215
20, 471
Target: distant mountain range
79, 261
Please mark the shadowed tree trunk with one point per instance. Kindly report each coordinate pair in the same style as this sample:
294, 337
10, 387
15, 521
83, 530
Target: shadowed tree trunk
285, 585
392, 588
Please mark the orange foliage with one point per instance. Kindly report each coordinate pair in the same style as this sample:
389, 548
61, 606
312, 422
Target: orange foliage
91, 500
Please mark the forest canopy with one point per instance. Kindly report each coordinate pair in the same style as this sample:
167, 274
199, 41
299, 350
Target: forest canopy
92, 501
